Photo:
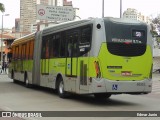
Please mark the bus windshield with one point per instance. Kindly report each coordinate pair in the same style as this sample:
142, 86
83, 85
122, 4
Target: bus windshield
125, 39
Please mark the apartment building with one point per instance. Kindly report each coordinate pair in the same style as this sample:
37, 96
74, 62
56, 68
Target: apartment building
132, 13
28, 12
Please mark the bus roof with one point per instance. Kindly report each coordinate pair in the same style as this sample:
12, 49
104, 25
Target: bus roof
123, 20
72, 24
65, 25
24, 39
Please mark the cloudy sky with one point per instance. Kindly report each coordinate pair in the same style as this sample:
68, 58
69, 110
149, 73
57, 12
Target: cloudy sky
88, 8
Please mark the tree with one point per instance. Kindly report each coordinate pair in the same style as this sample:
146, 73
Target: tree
2, 8
153, 30
156, 20
155, 25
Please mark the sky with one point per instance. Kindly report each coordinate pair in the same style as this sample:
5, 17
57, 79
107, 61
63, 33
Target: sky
87, 8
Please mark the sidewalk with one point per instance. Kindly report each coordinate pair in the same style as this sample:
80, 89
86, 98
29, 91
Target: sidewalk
156, 76
156, 63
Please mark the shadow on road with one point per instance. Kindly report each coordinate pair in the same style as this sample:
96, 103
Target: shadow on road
87, 99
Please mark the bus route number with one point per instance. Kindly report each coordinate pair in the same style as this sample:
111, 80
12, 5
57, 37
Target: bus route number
140, 84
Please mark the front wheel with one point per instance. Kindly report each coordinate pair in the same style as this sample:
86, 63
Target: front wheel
102, 95
60, 88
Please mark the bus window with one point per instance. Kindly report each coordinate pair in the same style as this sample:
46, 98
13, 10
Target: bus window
85, 45
72, 41
13, 52
51, 53
54, 45
62, 45
16, 52
19, 52
31, 49
23, 51
27, 51
45, 48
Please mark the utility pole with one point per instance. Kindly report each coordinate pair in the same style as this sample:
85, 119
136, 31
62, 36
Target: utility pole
2, 38
120, 8
102, 8
55, 2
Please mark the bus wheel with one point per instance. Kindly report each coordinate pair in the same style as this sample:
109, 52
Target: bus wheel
60, 86
102, 95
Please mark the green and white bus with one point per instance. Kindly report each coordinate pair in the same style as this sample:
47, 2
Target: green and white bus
101, 56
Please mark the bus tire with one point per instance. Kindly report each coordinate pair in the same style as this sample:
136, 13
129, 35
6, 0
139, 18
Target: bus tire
60, 88
102, 95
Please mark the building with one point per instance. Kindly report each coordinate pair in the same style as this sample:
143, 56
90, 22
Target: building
132, 13
67, 3
27, 14
17, 25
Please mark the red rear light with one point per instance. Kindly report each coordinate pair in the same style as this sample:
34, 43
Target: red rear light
97, 68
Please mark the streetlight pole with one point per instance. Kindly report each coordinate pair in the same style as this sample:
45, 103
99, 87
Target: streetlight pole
120, 8
102, 8
2, 39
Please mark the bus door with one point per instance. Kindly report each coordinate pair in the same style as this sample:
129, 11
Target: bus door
71, 60
83, 60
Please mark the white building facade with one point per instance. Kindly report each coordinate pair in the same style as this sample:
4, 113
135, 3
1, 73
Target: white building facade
132, 13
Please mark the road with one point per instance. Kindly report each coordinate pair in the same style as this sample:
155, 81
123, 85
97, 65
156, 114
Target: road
16, 97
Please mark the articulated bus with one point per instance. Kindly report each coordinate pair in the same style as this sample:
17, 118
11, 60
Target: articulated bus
100, 56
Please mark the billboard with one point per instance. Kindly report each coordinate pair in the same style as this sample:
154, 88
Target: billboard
55, 13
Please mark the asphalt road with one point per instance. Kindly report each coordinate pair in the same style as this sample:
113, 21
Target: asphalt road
16, 97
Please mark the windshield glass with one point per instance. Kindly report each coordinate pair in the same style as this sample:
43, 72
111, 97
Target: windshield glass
125, 39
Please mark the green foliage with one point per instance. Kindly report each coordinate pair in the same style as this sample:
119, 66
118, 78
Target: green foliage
2, 8
154, 33
155, 22
158, 39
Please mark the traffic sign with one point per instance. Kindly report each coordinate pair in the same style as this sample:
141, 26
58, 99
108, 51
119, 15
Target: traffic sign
55, 13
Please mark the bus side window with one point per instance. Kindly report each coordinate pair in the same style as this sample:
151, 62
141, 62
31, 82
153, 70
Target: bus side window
23, 51
16, 51
45, 48
85, 41
31, 49
62, 45
72, 41
20, 52
54, 45
13, 53
27, 50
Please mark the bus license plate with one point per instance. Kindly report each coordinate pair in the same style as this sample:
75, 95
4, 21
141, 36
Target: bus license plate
126, 73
